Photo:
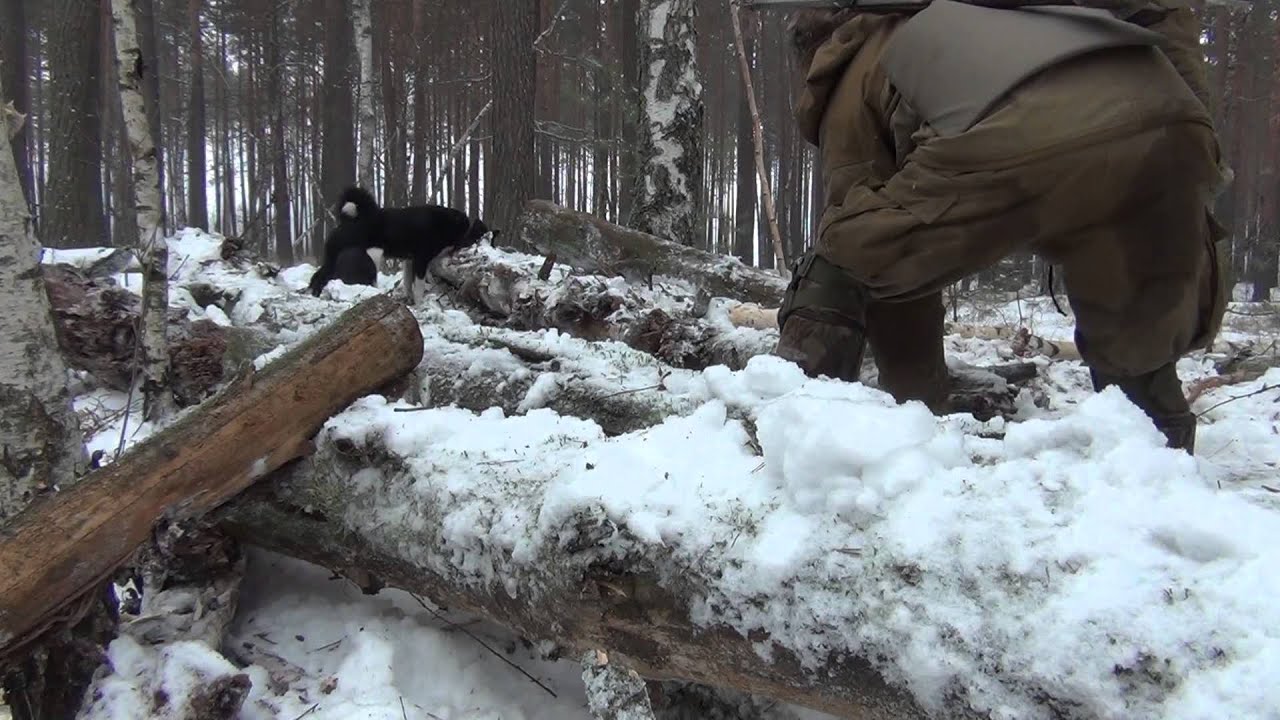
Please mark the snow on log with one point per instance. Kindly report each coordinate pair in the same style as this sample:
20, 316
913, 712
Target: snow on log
585, 599
63, 545
590, 244
479, 368
506, 288
813, 542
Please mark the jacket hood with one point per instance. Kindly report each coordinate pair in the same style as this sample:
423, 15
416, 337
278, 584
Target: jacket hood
829, 63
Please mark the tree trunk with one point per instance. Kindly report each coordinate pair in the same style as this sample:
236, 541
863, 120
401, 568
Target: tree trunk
592, 245
582, 602
592, 308
42, 448
38, 430
58, 549
72, 213
511, 172
197, 125
744, 240
146, 21
279, 161
418, 193
671, 134
152, 249
338, 154
629, 181
362, 23
757, 134
14, 72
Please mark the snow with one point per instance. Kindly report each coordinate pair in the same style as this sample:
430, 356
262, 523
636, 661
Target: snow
1065, 554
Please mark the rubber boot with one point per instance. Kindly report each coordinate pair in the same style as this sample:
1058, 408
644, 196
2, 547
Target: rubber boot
906, 342
1160, 396
822, 320
821, 348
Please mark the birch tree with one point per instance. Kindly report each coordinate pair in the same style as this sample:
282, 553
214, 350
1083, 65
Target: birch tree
363, 28
39, 435
38, 430
671, 118
152, 250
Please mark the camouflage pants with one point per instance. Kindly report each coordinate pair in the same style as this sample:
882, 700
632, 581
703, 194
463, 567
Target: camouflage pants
1126, 220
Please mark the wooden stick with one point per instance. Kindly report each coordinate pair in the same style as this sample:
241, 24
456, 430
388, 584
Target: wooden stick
757, 138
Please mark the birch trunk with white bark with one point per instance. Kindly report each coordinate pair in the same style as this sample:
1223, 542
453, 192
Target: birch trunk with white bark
42, 449
672, 123
363, 27
38, 430
153, 252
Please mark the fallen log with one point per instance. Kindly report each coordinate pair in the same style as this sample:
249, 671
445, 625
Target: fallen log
585, 601
97, 322
63, 545
497, 288
592, 245
478, 368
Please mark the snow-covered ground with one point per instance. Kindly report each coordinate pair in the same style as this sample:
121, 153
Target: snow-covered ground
1066, 552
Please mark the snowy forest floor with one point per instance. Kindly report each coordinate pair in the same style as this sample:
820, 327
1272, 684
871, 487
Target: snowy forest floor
1066, 551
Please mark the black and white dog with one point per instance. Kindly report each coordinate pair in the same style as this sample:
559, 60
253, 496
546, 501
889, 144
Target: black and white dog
418, 233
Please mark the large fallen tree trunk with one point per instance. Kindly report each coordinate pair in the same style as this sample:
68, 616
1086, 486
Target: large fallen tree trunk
586, 601
63, 545
593, 245
499, 289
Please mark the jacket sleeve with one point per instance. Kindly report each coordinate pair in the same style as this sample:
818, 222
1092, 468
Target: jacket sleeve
865, 138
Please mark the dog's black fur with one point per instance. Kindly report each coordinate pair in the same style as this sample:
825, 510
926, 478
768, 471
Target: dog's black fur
354, 266
418, 233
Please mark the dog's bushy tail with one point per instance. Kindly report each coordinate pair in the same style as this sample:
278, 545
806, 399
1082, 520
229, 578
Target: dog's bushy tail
356, 203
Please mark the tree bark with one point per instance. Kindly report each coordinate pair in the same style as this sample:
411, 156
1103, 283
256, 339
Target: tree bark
582, 604
66, 545
150, 243
72, 213
37, 426
671, 119
362, 23
511, 172
418, 190
14, 71
592, 245
338, 148
614, 692
592, 308
280, 196
757, 135
96, 323
42, 446
197, 126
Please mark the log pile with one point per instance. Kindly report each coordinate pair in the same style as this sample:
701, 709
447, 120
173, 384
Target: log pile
261, 423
